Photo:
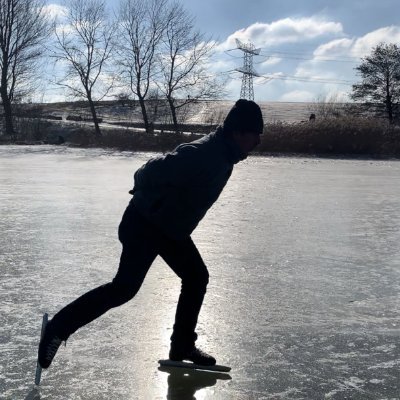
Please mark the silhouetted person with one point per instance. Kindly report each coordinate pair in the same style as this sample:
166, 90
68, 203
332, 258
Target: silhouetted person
171, 194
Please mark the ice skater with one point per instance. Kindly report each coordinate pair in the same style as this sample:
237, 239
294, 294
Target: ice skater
171, 194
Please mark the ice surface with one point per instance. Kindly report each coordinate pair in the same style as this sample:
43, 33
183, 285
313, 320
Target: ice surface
303, 300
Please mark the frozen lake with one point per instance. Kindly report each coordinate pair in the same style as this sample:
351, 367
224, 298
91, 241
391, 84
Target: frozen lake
303, 300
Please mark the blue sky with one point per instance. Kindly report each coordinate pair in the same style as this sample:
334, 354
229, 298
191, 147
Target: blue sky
308, 48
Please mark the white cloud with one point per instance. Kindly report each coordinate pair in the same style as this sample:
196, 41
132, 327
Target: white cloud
358, 47
337, 47
328, 70
345, 54
270, 62
220, 65
283, 31
363, 45
55, 10
333, 62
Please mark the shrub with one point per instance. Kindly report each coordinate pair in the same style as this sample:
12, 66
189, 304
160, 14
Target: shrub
345, 135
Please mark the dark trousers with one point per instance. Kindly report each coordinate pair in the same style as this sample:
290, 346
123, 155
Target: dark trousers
141, 243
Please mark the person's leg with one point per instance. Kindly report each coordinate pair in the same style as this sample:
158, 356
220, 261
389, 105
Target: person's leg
138, 253
185, 260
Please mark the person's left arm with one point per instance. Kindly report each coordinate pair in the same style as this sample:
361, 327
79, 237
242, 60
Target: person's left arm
179, 169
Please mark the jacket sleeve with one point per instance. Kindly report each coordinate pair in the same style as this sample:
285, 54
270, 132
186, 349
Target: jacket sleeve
180, 168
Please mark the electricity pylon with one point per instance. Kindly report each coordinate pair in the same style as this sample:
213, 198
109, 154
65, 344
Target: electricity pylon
247, 90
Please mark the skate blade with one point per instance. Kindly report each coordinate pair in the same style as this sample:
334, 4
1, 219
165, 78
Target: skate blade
190, 365
38, 374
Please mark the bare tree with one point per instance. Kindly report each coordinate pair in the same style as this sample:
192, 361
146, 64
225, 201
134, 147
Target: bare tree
24, 27
142, 24
328, 106
380, 86
85, 45
184, 55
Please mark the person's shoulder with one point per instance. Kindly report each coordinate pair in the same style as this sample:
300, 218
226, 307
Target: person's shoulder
208, 148
198, 142
195, 147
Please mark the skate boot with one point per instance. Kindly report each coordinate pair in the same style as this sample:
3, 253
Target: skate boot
194, 354
48, 346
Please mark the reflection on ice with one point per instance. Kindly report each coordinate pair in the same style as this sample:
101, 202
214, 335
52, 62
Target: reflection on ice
303, 300
184, 383
34, 394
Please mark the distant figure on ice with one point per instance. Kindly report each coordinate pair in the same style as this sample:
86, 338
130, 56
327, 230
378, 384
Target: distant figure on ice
312, 117
171, 194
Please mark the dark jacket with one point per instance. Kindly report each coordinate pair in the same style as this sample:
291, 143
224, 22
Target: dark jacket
174, 191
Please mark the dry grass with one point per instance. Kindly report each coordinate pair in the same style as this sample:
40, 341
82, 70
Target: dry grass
339, 136
336, 136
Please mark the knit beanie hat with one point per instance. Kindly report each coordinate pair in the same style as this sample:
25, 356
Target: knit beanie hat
244, 116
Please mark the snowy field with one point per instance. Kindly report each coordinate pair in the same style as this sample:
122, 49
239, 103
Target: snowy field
203, 112
303, 300
273, 112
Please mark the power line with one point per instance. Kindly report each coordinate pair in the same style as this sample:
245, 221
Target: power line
268, 78
301, 56
248, 72
314, 58
307, 79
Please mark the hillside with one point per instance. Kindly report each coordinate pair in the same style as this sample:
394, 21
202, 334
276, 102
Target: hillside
202, 113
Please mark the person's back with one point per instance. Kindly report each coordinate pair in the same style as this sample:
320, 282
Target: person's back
176, 190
